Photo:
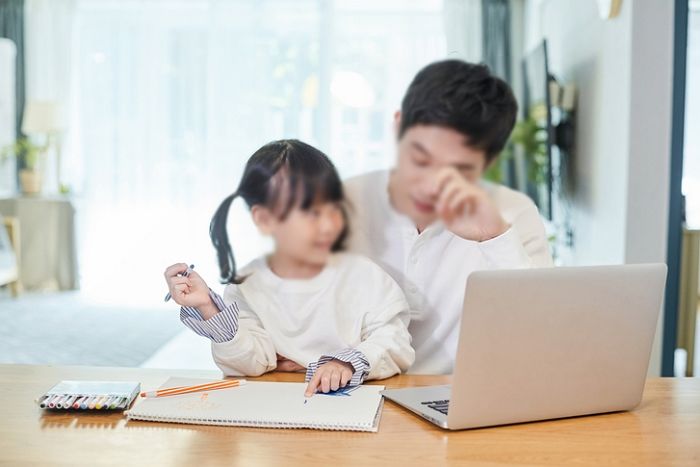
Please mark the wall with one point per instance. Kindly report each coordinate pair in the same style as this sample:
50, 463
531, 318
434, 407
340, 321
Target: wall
622, 68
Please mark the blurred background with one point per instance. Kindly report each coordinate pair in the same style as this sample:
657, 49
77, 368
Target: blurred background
123, 124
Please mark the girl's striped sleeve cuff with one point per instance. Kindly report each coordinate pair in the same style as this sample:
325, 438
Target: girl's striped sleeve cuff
354, 357
221, 327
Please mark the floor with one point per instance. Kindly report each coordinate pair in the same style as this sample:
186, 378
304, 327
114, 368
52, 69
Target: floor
69, 329
185, 350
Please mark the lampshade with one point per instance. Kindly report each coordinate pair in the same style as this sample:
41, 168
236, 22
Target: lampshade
42, 117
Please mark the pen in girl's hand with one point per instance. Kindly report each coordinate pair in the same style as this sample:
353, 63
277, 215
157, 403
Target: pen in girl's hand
185, 274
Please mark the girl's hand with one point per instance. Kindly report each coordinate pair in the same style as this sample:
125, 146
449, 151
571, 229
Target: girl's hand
190, 290
329, 377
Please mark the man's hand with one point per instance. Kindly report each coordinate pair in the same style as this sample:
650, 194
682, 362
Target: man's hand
285, 364
330, 376
465, 208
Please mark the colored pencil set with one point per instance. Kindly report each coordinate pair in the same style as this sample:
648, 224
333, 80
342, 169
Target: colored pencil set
114, 395
73, 401
89, 395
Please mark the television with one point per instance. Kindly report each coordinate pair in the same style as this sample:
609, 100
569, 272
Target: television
536, 128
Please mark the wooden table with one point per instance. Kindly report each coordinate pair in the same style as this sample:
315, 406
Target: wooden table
664, 430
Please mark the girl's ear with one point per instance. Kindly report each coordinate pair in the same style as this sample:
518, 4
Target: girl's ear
263, 218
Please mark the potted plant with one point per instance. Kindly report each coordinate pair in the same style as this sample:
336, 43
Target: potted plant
27, 155
527, 134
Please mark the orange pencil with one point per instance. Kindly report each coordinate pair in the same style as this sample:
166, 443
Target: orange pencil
198, 388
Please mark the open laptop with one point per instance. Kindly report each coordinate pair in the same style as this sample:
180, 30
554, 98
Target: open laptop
538, 344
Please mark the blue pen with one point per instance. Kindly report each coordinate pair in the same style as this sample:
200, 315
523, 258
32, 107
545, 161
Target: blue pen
185, 274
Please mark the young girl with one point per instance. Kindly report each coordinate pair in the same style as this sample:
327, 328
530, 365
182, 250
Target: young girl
306, 305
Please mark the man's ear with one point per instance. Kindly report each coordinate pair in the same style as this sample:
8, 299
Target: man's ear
397, 124
263, 218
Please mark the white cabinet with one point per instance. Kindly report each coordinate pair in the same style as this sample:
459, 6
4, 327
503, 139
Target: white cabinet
48, 256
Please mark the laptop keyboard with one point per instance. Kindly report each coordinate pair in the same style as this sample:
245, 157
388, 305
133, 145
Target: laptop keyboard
440, 406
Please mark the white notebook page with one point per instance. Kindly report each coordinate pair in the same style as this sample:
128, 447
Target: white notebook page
265, 404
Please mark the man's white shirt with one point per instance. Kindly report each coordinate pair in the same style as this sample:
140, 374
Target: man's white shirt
432, 267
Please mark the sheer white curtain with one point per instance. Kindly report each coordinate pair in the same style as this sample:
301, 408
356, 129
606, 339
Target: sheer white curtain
8, 168
170, 97
463, 29
50, 35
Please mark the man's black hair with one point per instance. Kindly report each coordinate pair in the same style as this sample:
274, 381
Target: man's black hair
465, 97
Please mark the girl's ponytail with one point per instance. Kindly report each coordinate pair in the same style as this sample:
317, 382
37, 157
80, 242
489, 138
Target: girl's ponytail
219, 237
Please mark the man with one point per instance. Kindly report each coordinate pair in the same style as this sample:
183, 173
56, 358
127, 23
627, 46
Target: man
431, 220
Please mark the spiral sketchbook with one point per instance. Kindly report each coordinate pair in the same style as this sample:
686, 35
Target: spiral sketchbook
265, 405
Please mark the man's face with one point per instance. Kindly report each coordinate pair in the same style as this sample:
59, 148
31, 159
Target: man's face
422, 151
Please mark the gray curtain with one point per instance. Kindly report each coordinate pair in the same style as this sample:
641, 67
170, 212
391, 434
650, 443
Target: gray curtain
12, 27
495, 15
495, 34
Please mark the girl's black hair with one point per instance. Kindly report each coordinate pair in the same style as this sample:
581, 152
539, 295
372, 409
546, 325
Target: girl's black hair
281, 175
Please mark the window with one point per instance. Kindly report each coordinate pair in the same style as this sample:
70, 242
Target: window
171, 97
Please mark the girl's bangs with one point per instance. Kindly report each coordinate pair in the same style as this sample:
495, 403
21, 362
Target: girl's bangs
301, 184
